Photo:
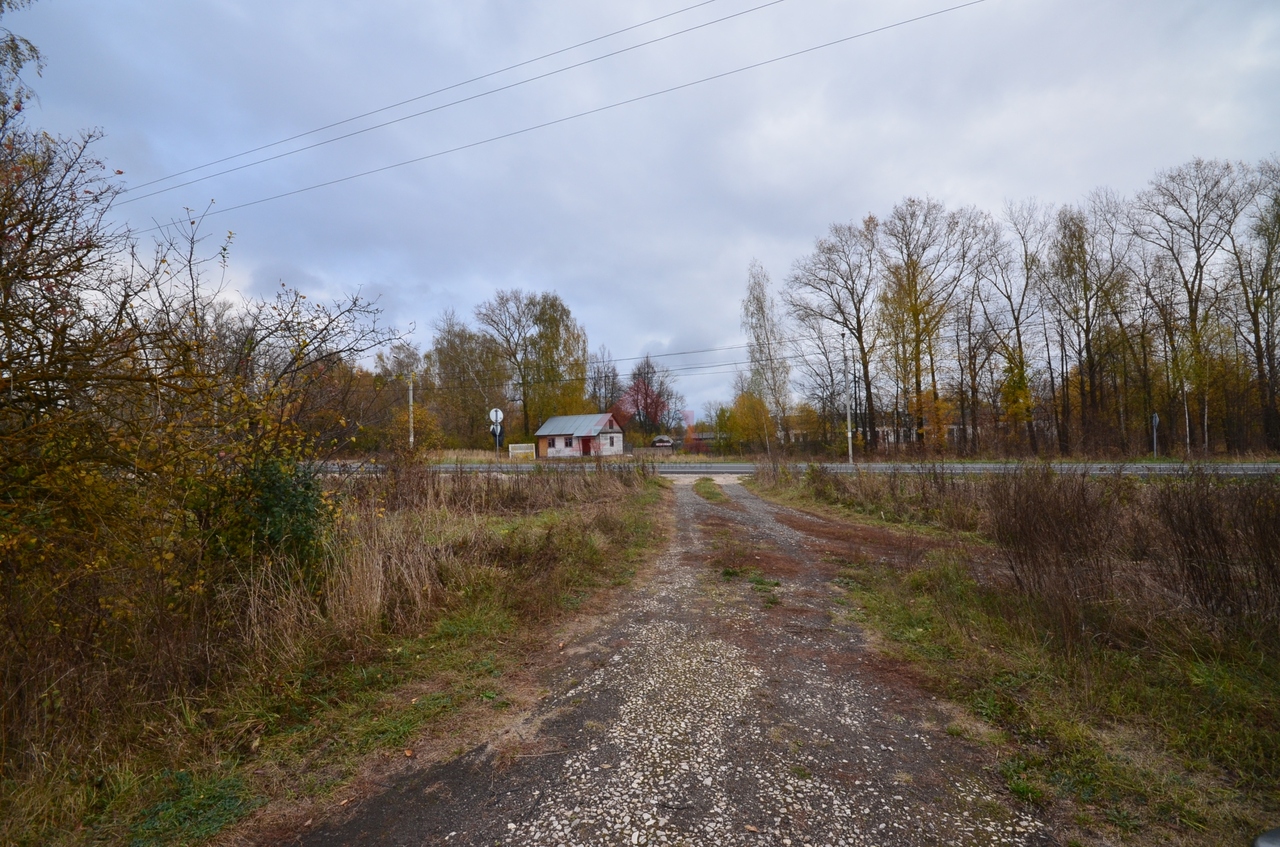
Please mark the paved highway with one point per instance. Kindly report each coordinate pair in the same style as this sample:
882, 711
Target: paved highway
1141, 469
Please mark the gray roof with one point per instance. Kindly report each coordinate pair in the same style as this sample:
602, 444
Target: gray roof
579, 426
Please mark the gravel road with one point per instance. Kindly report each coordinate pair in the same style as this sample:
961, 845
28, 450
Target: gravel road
705, 710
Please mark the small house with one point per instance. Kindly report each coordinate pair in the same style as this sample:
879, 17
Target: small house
566, 436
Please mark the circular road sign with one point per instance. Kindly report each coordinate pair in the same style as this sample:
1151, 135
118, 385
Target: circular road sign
495, 415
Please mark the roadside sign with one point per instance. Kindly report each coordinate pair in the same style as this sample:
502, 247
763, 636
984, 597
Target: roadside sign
495, 415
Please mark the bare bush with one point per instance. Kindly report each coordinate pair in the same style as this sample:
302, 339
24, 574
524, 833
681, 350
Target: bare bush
1098, 556
1058, 535
1220, 544
930, 497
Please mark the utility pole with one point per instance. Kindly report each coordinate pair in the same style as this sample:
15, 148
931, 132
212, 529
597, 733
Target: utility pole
848, 407
412, 375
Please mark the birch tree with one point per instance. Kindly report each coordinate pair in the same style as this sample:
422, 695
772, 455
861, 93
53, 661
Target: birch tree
767, 349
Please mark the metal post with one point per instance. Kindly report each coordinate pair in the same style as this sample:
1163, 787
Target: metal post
412, 376
848, 407
495, 415
1155, 444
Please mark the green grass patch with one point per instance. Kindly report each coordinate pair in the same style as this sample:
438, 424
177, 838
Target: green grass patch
706, 488
758, 581
193, 809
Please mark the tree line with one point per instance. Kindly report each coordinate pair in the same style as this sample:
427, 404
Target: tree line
1084, 329
526, 355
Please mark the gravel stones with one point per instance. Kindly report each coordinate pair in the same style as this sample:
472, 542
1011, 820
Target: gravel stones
697, 716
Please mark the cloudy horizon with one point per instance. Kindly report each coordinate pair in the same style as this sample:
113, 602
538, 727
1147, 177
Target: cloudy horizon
643, 218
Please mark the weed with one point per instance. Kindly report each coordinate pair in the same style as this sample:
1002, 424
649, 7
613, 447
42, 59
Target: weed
193, 809
1015, 771
759, 583
986, 705
1123, 819
706, 488
801, 772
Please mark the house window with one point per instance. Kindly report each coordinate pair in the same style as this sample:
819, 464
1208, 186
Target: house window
610, 440
568, 441
551, 442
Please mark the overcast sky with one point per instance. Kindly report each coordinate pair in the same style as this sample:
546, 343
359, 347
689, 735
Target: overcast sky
643, 218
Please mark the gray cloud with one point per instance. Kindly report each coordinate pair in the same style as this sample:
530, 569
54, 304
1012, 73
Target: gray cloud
642, 218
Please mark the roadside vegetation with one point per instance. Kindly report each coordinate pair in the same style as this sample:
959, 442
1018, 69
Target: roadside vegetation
194, 617
706, 488
1118, 640
429, 588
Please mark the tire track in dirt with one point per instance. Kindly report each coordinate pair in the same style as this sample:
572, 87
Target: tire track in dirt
710, 711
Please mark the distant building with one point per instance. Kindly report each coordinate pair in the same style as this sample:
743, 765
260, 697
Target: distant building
567, 436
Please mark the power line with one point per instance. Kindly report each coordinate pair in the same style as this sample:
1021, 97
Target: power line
421, 96
618, 104
454, 380
443, 106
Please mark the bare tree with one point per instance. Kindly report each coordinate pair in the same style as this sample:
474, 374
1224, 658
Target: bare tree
1255, 271
767, 349
545, 348
1015, 277
604, 386
925, 253
1187, 213
1088, 274
838, 284
817, 353
651, 400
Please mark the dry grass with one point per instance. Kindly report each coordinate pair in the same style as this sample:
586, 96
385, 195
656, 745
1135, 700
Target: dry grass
1123, 635
425, 575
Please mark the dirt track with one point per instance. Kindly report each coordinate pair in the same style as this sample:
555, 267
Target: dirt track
705, 710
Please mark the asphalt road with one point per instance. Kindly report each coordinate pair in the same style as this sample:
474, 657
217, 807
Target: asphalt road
1138, 469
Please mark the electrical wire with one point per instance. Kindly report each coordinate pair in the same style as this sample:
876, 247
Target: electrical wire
420, 96
696, 369
455, 380
450, 104
576, 116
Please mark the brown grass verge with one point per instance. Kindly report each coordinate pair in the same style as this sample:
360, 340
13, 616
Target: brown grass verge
1075, 623
433, 589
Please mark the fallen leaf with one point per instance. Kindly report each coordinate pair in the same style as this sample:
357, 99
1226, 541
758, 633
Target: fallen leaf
345, 802
308, 823
408, 754
751, 828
